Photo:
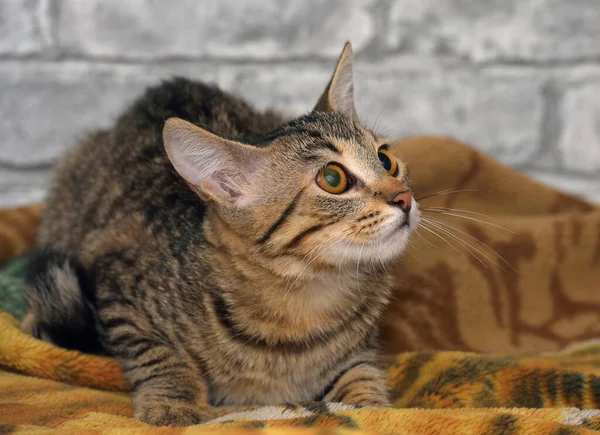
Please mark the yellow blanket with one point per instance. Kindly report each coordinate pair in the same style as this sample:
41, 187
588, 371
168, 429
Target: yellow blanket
546, 298
45, 389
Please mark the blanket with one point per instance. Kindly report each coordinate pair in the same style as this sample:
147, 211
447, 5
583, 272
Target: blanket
46, 389
503, 274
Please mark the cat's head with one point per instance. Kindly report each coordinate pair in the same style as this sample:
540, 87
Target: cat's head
322, 187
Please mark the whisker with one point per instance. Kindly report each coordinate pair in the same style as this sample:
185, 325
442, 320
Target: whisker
378, 120
410, 243
454, 210
358, 265
424, 239
450, 227
461, 241
473, 219
382, 263
446, 192
391, 123
413, 244
422, 224
359, 231
374, 273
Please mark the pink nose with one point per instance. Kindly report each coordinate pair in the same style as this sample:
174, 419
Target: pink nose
403, 200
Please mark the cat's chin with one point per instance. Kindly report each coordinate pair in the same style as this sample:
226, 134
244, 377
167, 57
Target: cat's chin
388, 247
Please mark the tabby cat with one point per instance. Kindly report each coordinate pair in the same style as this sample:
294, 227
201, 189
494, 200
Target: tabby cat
222, 256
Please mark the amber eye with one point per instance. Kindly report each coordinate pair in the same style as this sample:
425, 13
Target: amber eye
333, 179
388, 161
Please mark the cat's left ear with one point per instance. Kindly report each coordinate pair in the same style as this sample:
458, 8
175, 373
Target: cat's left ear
339, 94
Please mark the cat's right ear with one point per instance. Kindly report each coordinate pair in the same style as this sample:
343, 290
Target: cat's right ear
216, 168
339, 94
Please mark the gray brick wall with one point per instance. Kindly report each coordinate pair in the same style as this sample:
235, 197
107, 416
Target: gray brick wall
519, 79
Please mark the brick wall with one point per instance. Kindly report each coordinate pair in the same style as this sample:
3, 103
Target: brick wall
519, 79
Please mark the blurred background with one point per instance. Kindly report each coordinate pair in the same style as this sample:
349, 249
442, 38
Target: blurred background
519, 79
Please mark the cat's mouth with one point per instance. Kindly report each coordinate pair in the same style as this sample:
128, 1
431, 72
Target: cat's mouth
390, 242
405, 222
410, 220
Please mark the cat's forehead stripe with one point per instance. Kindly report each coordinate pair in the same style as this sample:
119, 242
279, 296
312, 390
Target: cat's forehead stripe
329, 124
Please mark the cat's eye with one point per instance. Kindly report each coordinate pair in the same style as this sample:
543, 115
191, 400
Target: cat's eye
388, 161
333, 179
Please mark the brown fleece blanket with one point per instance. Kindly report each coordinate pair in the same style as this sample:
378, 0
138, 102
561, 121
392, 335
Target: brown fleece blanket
45, 389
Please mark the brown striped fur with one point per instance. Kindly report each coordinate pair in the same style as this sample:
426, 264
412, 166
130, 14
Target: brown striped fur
218, 272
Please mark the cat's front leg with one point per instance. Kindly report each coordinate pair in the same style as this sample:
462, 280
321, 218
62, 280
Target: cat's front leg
160, 412
166, 391
364, 385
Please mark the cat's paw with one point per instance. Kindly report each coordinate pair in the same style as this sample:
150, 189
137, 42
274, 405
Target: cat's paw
171, 414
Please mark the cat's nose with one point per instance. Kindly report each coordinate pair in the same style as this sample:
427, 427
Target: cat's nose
403, 200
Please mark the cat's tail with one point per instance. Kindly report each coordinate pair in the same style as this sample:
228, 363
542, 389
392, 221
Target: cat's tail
61, 312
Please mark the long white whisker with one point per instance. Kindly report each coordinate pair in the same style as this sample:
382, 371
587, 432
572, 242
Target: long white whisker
445, 192
410, 243
422, 224
375, 274
424, 239
383, 266
454, 210
451, 227
378, 120
461, 241
476, 220
358, 265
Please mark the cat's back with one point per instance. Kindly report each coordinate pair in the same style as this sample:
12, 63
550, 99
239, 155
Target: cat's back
124, 171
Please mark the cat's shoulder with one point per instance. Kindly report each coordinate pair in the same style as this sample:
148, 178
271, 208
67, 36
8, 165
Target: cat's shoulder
201, 103
177, 97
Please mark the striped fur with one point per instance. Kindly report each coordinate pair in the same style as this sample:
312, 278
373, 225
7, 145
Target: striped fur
220, 278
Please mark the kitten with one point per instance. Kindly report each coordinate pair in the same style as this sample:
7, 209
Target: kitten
224, 257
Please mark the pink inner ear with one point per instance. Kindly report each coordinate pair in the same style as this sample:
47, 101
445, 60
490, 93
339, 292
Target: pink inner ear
224, 186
